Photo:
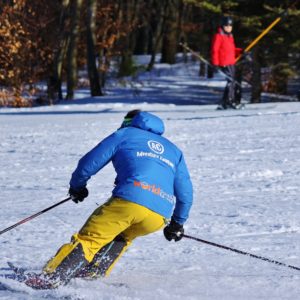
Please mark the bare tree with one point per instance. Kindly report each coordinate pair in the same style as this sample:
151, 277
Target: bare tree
156, 27
95, 86
170, 32
256, 77
75, 9
55, 78
130, 10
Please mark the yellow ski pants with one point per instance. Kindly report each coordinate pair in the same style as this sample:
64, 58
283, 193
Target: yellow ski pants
116, 216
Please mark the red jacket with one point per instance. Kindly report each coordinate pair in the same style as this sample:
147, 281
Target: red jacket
223, 50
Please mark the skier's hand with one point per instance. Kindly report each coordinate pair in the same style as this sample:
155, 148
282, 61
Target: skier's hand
173, 231
78, 196
246, 56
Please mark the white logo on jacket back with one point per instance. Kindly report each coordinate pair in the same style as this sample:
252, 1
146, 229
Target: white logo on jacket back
156, 147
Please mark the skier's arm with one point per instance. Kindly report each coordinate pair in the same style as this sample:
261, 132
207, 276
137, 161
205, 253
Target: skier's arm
94, 161
183, 192
215, 47
238, 51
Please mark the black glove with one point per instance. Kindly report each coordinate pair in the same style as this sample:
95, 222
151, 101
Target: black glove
78, 196
173, 231
246, 56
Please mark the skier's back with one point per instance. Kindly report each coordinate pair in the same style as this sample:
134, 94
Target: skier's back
152, 186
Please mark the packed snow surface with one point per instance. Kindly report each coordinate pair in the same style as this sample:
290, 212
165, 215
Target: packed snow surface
244, 167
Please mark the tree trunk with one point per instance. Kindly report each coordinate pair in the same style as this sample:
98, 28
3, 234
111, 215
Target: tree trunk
142, 40
156, 29
95, 86
143, 30
72, 48
202, 69
170, 36
54, 88
256, 77
130, 10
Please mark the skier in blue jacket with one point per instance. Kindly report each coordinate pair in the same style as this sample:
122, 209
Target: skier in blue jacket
152, 187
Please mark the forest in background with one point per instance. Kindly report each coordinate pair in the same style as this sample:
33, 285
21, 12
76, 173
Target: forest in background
51, 41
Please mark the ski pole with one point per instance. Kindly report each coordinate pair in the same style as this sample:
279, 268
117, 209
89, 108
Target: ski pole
34, 216
247, 49
241, 252
209, 64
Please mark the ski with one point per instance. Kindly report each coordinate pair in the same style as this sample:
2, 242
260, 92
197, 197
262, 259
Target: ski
31, 279
241, 106
17, 271
236, 107
13, 275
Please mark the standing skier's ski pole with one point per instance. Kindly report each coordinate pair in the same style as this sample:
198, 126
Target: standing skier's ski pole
247, 49
33, 216
209, 64
241, 252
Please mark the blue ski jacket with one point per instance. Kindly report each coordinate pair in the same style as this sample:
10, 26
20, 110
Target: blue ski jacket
151, 170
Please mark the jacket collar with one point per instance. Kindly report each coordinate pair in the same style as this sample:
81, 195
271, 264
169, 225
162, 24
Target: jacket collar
222, 32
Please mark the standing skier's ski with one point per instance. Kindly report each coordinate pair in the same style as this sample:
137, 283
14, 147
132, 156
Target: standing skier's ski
237, 107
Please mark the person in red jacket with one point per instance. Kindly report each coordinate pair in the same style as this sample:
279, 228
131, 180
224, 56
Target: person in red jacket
223, 56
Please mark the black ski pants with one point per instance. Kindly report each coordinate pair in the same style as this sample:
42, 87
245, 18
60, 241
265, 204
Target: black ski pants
229, 92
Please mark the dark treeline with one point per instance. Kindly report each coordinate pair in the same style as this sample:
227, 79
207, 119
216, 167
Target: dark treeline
51, 40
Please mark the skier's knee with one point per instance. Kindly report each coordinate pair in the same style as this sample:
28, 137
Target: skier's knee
105, 258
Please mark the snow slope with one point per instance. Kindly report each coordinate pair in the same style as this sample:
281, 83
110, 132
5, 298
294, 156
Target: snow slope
245, 171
